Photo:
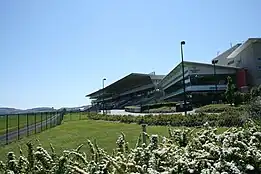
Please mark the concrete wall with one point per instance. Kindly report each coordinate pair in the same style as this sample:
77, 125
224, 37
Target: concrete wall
246, 56
222, 58
245, 60
257, 60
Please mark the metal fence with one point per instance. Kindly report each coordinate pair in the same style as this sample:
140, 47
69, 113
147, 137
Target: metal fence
77, 115
15, 126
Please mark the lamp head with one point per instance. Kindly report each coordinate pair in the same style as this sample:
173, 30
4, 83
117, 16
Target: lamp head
182, 42
214, 61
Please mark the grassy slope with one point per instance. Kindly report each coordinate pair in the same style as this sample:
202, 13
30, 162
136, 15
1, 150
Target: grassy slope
13, 121
73, 133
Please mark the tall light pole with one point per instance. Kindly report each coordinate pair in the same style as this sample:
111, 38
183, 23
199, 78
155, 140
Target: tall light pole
214, 62
183, 74
103, 95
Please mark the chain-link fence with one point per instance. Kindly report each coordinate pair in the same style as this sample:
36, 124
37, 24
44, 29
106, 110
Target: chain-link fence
15, 126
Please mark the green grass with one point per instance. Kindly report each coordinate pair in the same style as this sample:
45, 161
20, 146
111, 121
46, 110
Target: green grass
71, 134
13, 121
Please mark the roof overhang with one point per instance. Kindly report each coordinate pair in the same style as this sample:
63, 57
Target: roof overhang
187, 64
129, 82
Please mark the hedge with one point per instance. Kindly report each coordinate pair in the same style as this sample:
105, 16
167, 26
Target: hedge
219, 108
191, 120
158, 105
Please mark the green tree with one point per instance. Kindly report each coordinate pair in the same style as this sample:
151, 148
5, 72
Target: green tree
246, 97
230, 91
239, 98
254, 92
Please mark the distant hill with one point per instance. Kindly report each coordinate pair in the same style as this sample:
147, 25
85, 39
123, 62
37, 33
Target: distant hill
4, 111
80, 108
9, 111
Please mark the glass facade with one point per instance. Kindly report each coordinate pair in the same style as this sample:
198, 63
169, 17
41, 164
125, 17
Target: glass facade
199, 80
176, 86
220, 79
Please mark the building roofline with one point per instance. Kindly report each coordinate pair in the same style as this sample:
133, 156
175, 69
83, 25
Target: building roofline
125, 77
198, 63
242, 47
209, 64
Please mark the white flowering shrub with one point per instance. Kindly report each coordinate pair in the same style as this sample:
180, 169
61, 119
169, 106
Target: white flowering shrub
238, 150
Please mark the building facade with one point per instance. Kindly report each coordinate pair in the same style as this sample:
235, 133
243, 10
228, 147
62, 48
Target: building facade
203, 82
200, 78
246, 56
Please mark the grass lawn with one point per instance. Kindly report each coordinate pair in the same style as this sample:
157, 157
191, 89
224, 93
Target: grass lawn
71, 134
13, 121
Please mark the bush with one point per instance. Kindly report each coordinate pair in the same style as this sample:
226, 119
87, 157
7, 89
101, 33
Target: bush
219, 108
182, 151
238, 98
191, 120
255, 92
158, 105
254, 108
163, 109
246, 97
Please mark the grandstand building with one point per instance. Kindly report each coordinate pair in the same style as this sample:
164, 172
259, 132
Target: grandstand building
200, 82
133, 89
242, 63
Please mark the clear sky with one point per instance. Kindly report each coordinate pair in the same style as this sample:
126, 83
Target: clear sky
54, 52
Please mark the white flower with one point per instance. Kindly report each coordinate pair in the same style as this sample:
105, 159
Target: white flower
249, 167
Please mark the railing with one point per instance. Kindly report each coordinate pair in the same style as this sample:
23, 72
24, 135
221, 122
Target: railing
15, 126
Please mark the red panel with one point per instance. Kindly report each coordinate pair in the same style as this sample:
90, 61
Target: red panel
241, 78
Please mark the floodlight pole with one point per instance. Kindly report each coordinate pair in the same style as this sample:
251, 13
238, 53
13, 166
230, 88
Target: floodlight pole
103, 95
183, 74
214, 62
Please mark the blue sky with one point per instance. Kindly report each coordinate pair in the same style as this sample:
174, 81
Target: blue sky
53, 53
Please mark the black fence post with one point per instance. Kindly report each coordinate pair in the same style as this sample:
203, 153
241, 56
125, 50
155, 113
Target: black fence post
144, 133
51, 120
54, 119
6, 131
60, 116
34, 123
70, 115
27, 125
41, 121
57, 118
46, 117
18, 126
48, 122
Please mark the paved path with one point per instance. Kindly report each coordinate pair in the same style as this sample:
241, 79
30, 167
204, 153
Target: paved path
13, 135
123, 112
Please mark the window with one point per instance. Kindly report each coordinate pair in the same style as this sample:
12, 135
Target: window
230, 62
259, 67
259, 58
